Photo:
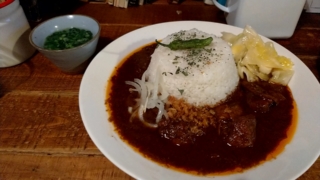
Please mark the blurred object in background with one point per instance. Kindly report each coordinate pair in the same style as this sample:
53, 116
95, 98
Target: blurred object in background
222, 2
14, 32
271, 18
32, 10
313, 6
38, 10
98, 1
174, 1
210, 2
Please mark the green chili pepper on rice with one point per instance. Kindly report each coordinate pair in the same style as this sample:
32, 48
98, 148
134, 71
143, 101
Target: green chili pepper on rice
187, 44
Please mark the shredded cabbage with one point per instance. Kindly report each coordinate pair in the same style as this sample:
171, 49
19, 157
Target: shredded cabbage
257, 60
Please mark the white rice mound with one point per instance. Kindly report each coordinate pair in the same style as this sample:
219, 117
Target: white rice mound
203, 76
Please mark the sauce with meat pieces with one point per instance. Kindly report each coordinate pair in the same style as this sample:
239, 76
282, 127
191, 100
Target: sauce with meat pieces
258, 119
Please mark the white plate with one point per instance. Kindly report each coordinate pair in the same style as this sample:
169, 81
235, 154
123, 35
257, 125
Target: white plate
297, 157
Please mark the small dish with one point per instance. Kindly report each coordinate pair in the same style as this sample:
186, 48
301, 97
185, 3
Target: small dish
73, 60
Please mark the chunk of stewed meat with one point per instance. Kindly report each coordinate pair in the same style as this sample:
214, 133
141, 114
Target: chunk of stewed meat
228, 110
260, 97
258, 103
185, 122
179, 132
265, 90
239, 132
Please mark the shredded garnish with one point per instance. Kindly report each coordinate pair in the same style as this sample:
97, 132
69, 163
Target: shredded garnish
152, 95
258, 60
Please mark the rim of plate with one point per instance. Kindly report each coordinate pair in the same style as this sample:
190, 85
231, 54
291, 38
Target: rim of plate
290, 164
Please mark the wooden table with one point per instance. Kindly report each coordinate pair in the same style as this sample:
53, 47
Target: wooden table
41, 132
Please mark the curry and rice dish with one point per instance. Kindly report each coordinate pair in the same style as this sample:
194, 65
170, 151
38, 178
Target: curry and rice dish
197, 103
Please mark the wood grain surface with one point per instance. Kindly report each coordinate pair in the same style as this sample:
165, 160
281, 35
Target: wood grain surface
41, 132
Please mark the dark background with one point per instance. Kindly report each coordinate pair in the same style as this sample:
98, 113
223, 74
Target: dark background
39, 10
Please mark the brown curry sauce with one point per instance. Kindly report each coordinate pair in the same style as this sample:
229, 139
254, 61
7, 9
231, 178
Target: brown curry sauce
209, 154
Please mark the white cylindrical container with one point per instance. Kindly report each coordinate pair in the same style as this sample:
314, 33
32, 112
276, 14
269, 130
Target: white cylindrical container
15, 47
270, 18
